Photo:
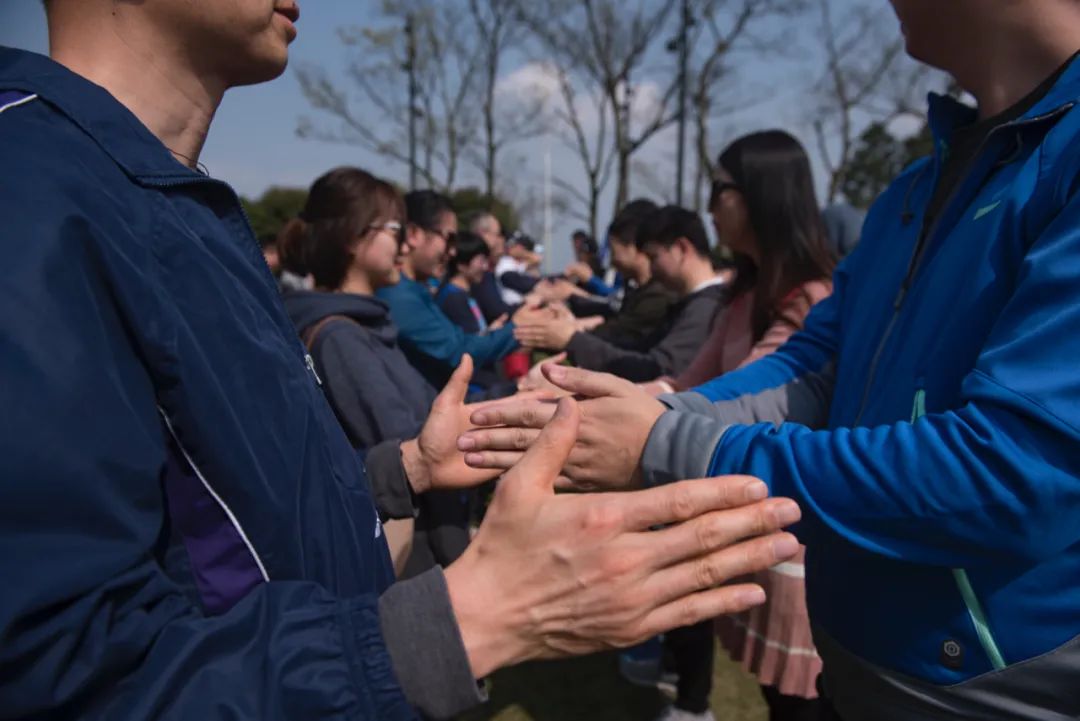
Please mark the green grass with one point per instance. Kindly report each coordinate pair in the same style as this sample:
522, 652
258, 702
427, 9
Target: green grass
591, 689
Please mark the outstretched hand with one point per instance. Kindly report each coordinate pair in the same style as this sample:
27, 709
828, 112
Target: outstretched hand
432, 460
555, 575
616, 418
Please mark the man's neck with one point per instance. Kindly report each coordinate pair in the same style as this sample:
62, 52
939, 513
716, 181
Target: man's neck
143, 71
641, 273
1002, 71
408, 270
697, 272
460, 282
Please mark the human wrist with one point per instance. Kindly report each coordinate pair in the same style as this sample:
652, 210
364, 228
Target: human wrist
482, 618
416, 470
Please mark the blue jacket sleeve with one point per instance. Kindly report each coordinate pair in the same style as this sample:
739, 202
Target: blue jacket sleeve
967, 486
596, 286
426, 328
94, 625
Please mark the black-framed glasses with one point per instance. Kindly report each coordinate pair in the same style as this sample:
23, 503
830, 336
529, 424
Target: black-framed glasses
448, 235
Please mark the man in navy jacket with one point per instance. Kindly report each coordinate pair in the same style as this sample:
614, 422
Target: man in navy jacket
185, 532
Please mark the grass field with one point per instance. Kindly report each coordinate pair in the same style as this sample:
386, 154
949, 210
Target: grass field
590, 689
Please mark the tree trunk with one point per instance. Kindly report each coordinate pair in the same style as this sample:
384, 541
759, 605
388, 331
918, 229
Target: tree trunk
489, 118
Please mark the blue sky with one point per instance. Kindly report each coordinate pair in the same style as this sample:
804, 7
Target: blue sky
253, 144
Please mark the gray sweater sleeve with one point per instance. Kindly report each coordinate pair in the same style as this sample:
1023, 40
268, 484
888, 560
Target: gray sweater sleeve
682, 441
389, 483
804, 400
426, 648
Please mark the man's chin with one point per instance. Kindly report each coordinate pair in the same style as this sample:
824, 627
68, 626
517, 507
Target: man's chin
263, 69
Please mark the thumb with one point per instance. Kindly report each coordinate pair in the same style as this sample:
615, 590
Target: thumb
582, 382
453, 394
540, 467
555, 359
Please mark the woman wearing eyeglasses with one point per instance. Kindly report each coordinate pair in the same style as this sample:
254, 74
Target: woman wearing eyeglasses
348, 238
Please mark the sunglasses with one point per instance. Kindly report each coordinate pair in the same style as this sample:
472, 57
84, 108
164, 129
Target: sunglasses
449, 237
720, 186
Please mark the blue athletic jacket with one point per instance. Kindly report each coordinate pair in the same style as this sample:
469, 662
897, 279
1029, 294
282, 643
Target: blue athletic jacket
185, 532
932, 436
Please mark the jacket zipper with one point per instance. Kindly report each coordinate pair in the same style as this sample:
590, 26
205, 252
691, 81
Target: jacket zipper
923, 242
309, 362
963, 583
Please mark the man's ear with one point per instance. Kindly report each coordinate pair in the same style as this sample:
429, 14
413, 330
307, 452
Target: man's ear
685, 246
414, 235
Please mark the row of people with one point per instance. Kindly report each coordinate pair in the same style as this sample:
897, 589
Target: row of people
178, 519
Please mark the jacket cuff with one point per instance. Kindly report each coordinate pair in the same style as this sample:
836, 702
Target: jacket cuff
426, 648
681, 445
687, 402
390, 485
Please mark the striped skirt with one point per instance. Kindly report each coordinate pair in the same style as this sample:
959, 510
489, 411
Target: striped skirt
773, 641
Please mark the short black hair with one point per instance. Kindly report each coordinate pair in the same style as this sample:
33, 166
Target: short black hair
522, 239
668, 224
466, 247
586, 241
624, 227
423, 208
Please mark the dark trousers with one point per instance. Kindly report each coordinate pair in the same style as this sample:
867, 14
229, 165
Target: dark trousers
691, 650
792, 708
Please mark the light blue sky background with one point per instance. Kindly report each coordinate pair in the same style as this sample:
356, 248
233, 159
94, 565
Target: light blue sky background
253, 144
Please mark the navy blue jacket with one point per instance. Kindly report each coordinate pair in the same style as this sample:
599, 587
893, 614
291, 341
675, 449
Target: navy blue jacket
185, 531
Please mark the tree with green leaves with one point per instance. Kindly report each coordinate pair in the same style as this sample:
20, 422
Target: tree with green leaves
275, 207
878, 157
470, 200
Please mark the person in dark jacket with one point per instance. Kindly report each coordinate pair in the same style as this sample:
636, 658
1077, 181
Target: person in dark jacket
469, 262
376, 395
488, 293
185, 532
674, 241
431, 341
645, 305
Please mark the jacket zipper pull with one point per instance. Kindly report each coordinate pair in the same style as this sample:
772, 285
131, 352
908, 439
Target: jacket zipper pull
310, 363
899, 301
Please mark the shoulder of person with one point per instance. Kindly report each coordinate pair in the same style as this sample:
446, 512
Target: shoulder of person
56, 175
341, 330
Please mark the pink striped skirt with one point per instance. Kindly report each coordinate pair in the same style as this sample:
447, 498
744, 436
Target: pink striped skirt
773, 641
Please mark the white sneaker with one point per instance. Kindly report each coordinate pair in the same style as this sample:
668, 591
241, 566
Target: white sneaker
675, 714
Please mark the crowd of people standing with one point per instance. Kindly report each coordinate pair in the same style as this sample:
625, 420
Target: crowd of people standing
331, 491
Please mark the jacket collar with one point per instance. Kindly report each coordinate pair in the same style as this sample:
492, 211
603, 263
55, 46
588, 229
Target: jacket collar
111, 125
946, 114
